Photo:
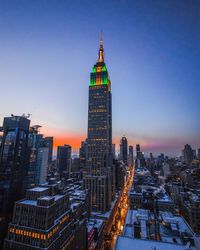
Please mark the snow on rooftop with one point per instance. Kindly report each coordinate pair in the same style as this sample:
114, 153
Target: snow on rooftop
126, 243
29, 202
38, 189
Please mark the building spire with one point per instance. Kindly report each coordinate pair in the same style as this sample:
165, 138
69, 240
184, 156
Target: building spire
101, 52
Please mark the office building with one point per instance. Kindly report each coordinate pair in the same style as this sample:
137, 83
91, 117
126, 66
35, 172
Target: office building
64, 160
49, 144
130, 155
138, 152
14, 159
98, 176
124, 150
58, 222
188, 154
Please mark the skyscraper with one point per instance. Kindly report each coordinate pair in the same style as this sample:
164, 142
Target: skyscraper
98, 176
14, 159
188, 154
138, 152
64, 160
49, 144
124, 150
130, 155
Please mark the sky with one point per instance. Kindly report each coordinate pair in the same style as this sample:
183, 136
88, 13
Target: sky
152, 52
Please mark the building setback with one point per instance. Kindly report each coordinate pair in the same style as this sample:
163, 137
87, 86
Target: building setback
98, 175
46, 219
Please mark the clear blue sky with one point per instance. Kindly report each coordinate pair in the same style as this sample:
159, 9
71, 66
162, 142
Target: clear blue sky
152, 52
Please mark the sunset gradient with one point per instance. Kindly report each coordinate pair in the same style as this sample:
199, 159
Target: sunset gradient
152, 53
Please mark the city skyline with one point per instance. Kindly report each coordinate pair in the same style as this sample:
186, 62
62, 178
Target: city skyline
46, 60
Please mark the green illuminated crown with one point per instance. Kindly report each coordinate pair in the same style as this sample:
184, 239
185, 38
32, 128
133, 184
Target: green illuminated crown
99, 73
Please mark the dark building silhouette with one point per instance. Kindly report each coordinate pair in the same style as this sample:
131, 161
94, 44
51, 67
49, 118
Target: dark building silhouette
14, 159
188, 154
98, 177
38, 160
124, 150
49, 144
138, 152
130, 155
64, 160
83, 153
113, 151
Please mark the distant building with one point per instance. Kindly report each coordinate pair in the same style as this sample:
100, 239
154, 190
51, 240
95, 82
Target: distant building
38, 160
120, 173
188, 154
46, 219
198, 153
113, 151
14, 159
49, 144
83, 154
138, 152
64, 160
130, 155
124, 150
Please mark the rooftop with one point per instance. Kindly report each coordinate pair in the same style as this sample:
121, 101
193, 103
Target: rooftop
127, 243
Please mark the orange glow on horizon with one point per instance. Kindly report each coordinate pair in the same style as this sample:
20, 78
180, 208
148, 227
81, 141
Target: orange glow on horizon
73, 141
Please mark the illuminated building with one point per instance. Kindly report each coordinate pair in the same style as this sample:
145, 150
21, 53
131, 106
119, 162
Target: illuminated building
13, 166
98, 176
47, 219
64, 160
124, 150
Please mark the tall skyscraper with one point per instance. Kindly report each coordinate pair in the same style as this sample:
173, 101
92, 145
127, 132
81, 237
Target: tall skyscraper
49, 144
14, 159
64, 160
124, 150
38, 161
98, 176
130, 155
138, 152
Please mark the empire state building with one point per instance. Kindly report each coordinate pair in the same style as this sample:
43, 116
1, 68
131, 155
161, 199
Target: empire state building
98, 175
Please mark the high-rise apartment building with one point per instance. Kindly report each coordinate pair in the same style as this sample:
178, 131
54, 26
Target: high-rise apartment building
98, 176
14, 159
64, 160
124, 150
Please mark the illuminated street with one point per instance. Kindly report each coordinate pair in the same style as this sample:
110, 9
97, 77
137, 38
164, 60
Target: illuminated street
120, 216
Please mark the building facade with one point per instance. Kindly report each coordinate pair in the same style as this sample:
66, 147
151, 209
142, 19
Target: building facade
14, 159
98, 175
57, 224
124, 150
64, 160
